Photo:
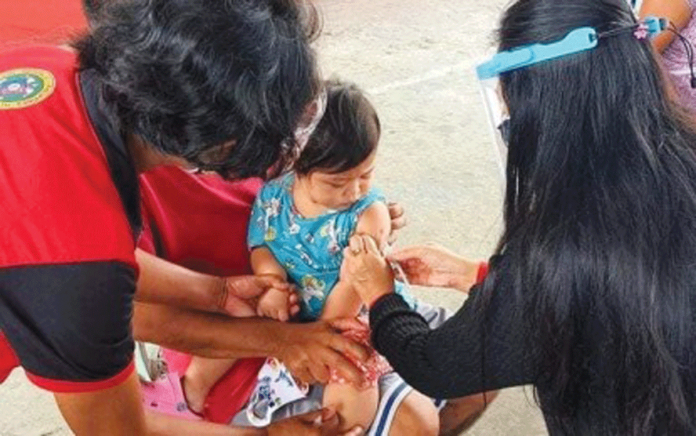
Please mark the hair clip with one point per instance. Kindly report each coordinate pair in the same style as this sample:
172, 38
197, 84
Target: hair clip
642, 31
647, 28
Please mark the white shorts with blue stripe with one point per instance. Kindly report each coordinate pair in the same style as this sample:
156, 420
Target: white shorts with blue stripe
392, 389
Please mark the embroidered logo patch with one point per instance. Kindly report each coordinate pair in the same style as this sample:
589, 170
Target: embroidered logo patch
25, 87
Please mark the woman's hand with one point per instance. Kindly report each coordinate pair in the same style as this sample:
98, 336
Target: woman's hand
433, 265
239, 295
365, 268
320, 423
311, 350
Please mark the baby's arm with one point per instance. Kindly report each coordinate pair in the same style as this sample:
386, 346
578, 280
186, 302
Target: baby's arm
375, 221
264, 262
344, 301
274, 303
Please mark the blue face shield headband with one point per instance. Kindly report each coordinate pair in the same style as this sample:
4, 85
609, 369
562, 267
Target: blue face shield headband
578, 40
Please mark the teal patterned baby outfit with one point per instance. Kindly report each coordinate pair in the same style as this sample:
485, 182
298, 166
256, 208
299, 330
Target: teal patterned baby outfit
310, 249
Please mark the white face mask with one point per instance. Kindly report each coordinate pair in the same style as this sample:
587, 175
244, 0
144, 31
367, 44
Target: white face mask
313, 114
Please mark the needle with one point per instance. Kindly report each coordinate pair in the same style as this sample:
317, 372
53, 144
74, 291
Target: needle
400, 273
398, 270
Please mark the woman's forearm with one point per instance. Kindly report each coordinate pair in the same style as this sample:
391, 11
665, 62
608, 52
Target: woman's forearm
307, 349
468, 274
475, 350
163, 425
207, 334
163, 282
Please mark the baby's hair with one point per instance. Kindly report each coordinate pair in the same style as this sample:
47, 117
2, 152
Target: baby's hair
346, 135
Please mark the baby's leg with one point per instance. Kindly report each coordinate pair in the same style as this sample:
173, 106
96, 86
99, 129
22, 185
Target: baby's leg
200, 377
353, 406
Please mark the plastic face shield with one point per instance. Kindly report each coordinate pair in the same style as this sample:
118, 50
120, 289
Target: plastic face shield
578, 40
584, 38
498, 118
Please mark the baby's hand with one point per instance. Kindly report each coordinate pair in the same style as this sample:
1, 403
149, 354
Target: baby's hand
277, 304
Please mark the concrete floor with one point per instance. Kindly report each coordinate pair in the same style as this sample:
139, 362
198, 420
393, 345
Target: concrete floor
436, 156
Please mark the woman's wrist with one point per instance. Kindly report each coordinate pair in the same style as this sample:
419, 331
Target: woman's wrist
470, 273
378, 291
218, 292
481, 273
374, 298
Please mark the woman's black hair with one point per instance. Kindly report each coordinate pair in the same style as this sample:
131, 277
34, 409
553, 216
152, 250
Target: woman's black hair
189, 76
600, 225
346, 135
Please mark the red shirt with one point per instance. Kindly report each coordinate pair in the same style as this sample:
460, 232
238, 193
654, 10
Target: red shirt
67, 265
40, 21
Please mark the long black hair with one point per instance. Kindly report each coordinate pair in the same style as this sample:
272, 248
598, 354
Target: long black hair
191, 75
600, 225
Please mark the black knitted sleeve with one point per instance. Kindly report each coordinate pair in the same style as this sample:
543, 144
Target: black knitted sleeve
481, 347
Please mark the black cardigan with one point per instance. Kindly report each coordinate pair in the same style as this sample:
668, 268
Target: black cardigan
480, 350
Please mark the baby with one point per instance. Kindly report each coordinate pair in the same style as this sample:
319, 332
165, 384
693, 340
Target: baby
302, 221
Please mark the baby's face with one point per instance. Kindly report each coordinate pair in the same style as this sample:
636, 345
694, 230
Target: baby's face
340, 190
